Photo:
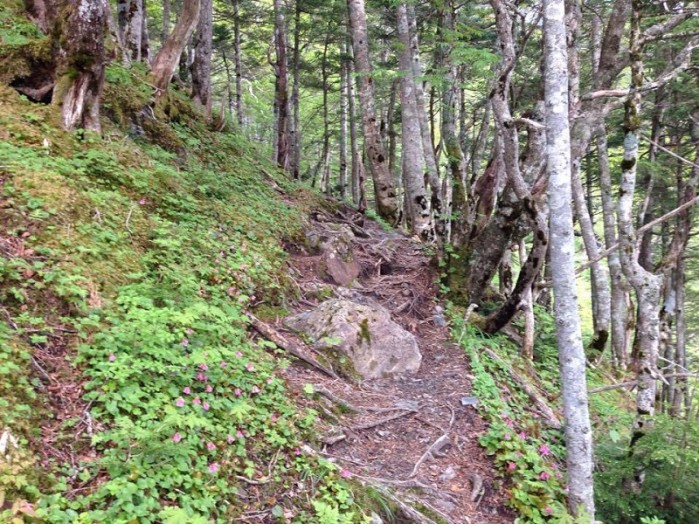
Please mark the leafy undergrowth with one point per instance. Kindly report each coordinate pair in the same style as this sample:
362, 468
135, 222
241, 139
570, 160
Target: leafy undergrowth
530, 456
130, 390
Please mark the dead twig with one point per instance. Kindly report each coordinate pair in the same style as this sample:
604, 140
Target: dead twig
273, 335
436, 445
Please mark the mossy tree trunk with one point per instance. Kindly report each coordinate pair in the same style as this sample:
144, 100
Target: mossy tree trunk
168, 58
80, 71
201, 66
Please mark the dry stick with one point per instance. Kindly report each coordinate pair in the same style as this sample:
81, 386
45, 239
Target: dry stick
545, 409
477, 486
370, 425
273, 335
437, 444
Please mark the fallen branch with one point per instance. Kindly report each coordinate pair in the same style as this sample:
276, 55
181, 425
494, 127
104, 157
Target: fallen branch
344, 404
476, 486
273, 335
436, 445
550, 417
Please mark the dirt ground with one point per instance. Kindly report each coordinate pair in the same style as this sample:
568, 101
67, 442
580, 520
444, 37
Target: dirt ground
414, 438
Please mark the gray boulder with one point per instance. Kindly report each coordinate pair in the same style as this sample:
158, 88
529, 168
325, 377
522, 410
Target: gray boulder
361, 340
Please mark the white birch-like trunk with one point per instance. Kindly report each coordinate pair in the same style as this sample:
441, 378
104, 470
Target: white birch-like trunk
432, 169
386, 202
570, 348
417, 204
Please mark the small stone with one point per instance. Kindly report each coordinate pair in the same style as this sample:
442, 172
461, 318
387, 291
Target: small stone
469, 401
448, 474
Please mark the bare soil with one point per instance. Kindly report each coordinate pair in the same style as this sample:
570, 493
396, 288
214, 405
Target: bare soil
412, 437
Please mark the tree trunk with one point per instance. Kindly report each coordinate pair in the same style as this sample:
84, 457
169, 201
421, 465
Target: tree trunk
80, 71
425, 133
354, 143
619, 290
325, 180
391, 131
168, 58
344, 79
295, 127
646, 284
418, 207
131, 16
570, 348
238, 61
386, 202
281, 93
166, 22
201, 66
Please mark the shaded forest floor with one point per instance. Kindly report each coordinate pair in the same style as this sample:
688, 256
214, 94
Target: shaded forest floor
416, 434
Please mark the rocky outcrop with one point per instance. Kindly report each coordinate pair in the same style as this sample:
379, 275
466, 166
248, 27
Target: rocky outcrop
361, 340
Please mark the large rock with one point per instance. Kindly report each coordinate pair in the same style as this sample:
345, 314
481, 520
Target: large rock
361, 338
337, 262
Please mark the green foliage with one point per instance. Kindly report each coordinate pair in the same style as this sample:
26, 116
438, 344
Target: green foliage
668, 454
150, 264
528, 455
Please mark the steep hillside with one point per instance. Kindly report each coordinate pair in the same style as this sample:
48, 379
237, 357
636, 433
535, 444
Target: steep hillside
129, 388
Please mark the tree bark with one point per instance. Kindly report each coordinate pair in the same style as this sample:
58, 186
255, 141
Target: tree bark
295, 127
647, 285
166, 21
344, 80
431, 167
568, 334
133, 30
417, 204
386, 202
238, 61
80, 71
168, 58
281, 91
201, 66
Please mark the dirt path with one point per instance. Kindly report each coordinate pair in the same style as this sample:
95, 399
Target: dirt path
383, 439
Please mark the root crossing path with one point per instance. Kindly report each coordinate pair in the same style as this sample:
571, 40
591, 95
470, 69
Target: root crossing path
414, 440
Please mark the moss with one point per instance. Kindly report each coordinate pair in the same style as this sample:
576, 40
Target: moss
364, 332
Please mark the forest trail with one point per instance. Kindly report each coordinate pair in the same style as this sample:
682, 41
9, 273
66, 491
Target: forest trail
417, 435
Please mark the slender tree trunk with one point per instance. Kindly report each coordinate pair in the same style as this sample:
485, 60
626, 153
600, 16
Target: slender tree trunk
570, 348
646, 284
418, 207
619, 288
80, 71
528, 309
295, 128
201, 66
391, 131
425, 131
281, 96
167, 59
342, 175
229, 83
386, 202
238, 61
354, 143
325, 180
